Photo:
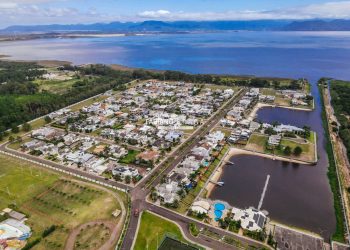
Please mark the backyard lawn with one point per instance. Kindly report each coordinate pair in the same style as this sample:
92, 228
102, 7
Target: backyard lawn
130, 157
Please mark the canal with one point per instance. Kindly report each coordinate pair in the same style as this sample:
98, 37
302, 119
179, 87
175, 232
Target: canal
297, 195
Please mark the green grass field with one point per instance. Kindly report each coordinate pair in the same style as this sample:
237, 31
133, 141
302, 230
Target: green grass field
20, 181
305, 147
153, 229
130, 157
49, 200
56, 86
257, 142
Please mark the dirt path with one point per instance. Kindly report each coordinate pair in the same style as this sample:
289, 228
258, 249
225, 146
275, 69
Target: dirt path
114, 228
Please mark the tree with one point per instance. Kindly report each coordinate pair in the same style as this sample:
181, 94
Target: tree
298, 150
270, 131
175, 204
276, 84
287, 150
223, 223
117, 177
14, 129
134, 179
127, 179
47, 119
154, 196
307, 131
26, 127
11, 138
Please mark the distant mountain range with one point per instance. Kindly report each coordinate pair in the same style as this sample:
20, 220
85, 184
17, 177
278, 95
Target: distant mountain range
319, 25
184, 26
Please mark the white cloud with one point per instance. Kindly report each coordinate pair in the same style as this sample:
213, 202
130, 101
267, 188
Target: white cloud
325, 10
155, 14
35, 12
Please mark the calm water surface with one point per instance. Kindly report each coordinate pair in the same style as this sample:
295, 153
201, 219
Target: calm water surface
298, 195
287, 54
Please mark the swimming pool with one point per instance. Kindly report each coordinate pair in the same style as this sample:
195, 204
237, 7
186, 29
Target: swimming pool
218, 214
218, 208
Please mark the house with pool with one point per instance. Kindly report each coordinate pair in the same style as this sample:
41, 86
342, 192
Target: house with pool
251, 219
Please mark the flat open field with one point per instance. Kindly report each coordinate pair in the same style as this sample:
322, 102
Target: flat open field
152, 231
257, 142
56, 86
20, 181
50, 200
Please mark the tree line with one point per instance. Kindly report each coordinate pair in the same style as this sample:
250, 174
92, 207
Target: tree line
340, 94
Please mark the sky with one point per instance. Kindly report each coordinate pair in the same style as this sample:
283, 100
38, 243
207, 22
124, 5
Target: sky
29, 12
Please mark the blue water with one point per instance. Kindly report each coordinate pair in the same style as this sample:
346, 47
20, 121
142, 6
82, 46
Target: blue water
218, 214
285, 54
219, 206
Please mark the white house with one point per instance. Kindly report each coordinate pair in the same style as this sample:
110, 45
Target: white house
200, 207
251, 218
201, 151
173, 136
191, 163
124, 171
215, 137
168, 191
274, 140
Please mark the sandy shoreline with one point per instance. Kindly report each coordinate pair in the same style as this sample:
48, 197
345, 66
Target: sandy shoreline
255, 110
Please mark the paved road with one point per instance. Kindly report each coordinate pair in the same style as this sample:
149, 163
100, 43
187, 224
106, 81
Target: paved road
76, 172
183, 222
139, 193
179, 154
